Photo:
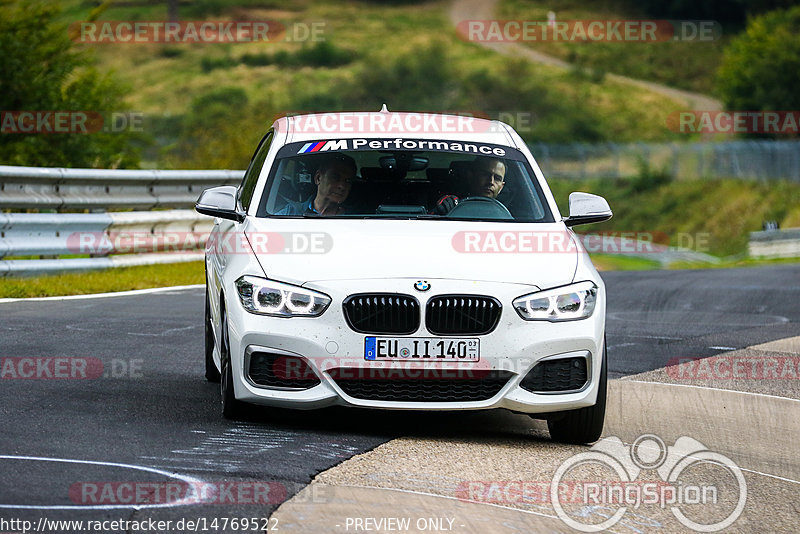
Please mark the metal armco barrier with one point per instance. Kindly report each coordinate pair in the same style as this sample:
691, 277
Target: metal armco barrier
60, 190
48, 188
107, 239
110, 239
46, 234
775, 243
742, 160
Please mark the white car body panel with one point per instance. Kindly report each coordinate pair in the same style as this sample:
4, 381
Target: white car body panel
390, 256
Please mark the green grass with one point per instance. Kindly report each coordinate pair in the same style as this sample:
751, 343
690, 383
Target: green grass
180, 274
711, 216
734, 263
164, 79
683, 64
616, 262
117, 279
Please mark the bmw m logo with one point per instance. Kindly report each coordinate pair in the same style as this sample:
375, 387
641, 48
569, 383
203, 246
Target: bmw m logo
422, 285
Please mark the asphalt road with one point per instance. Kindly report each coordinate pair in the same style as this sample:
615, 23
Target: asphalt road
655, 316
151, 410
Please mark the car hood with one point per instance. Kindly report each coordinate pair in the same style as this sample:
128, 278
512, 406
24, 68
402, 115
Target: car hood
302, 251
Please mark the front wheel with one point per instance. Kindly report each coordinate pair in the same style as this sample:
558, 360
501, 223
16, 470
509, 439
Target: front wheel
231, 407
212, 373
584, 425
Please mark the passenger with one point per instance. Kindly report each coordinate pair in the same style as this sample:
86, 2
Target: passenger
334, 178
485, 178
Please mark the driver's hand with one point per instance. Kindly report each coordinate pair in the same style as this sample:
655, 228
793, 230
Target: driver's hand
445, 204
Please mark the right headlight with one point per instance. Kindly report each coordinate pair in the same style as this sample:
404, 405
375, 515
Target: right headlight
566, 303
267, 297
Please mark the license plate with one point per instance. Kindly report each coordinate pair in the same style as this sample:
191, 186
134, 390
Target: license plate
422, 349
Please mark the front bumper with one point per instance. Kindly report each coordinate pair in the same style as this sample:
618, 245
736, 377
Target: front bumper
514, 347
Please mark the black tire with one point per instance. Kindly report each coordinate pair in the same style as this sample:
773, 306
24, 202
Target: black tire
231, 407
212, 373
584, 425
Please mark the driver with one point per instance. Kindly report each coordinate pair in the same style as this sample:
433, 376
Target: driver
485, 178
334, 178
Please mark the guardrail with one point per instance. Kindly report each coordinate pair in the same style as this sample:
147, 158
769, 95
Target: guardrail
743, 160
134, 238
47, 188
102, 239
45, 243
775, 243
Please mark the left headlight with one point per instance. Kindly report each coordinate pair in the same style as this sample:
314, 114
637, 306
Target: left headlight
267, 297
567, 303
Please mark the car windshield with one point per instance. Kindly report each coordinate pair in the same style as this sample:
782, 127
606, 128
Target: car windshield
409, 179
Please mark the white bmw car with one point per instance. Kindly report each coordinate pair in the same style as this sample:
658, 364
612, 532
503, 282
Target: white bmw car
408, 262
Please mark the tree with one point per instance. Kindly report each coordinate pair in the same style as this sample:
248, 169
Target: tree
220, 131
44, 71
761, 68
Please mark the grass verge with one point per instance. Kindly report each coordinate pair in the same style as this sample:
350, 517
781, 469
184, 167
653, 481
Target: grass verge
614, 262
180, 274
731, 263
689, 65
405, 54
711, 216
110, 280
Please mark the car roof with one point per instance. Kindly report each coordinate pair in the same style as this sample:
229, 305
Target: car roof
393, 125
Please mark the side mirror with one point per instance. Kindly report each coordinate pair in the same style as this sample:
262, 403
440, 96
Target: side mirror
585, 208
219, 202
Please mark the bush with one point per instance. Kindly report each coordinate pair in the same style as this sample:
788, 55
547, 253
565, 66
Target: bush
761, 68
210, 63
42, 70
220, 131
323, 54
649, 178
171, 52
256, 60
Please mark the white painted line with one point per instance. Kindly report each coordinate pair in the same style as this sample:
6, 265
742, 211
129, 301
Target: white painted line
191, 481
723, 348
641, 336
769, 475
105, 295
711, 389
623, 316
622, 345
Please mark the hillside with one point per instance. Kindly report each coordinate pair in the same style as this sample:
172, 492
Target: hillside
207, 104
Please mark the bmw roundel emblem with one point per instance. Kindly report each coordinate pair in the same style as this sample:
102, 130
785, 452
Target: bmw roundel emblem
422, 285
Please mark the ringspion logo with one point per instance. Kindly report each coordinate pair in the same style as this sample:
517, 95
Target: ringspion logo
704, 490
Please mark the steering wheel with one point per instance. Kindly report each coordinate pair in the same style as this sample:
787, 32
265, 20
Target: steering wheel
480, 208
